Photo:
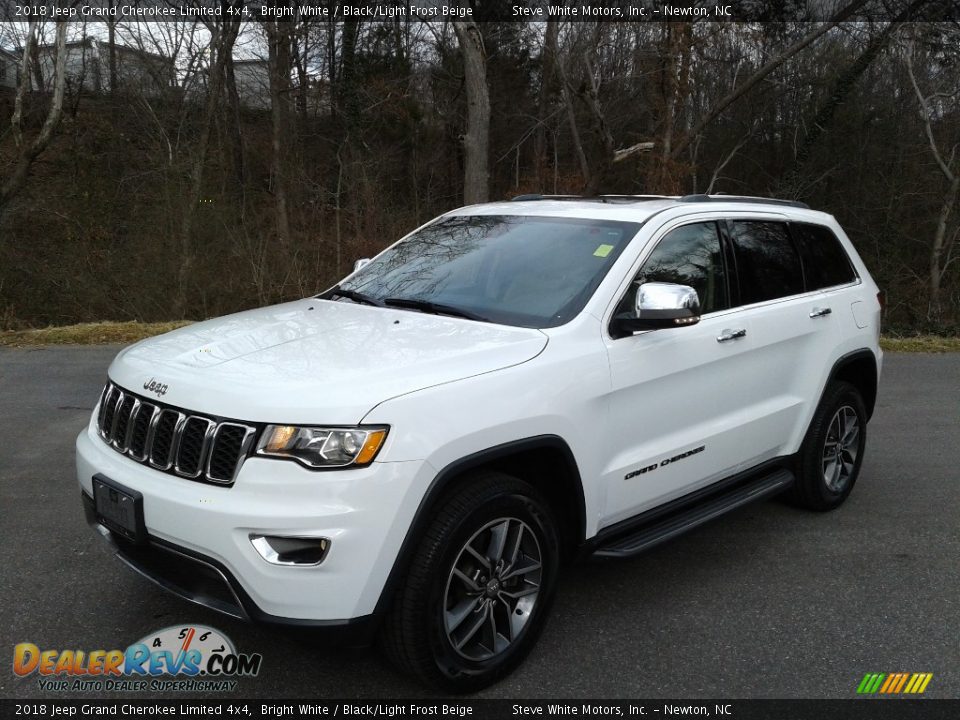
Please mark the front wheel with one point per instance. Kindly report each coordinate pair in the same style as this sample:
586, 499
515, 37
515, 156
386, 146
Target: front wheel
479, 586
832, 451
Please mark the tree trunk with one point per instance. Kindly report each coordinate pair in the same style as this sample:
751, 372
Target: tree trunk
298, 54
221, 42
31, 151
952, 176
112, 49
33, 54
548, 75
574, 130
347, 105
935, 313
677, 83
235, 129
670, 83
476, 139
280, 61
590, 91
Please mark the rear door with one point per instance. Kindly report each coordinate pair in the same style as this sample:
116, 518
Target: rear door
793, 333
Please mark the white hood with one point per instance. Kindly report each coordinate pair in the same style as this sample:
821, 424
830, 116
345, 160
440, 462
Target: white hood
315, 361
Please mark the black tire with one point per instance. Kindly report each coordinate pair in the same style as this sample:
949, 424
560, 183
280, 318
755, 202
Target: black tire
822, 485
416, 635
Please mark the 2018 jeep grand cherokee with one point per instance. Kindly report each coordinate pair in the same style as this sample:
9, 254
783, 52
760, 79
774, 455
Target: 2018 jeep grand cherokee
415, 451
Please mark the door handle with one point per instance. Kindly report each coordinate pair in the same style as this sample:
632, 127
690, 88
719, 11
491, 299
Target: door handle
820, 312
726, 335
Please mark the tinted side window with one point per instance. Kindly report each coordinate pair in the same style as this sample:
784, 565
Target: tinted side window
768, 265
689, 255
826, 261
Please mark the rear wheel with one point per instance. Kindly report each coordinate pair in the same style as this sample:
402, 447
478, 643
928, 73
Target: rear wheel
832, 451
479, 586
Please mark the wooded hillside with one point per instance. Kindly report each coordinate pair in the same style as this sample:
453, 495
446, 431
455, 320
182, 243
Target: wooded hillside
181, 198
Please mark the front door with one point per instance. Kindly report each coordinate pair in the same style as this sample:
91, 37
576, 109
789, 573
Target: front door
680, 398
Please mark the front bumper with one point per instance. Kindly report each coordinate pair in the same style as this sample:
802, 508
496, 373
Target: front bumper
204, 581
199, 534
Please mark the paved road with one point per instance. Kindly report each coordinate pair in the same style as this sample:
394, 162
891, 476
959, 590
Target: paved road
769, 602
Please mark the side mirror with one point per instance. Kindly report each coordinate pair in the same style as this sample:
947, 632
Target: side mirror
360, 263
658, 306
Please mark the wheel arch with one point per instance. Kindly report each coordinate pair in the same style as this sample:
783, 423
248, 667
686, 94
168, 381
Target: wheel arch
859, 368
539, 460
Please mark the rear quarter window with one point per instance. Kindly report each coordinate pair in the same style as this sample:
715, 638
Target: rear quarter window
825, 260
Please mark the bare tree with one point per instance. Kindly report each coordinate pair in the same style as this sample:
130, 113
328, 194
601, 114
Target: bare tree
940, 255
548, 74
30, 151
762, 72
280, 61
223, 36
476, 139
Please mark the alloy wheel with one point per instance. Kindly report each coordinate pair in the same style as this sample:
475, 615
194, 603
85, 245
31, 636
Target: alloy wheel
492, 589
840, 449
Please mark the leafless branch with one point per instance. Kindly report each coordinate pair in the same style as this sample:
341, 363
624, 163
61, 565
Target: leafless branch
925, 114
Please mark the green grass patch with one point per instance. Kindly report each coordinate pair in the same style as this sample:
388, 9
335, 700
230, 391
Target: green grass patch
102, 333
921, 343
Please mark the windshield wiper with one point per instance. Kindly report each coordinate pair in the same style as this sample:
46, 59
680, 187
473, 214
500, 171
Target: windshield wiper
432, 307
359, 297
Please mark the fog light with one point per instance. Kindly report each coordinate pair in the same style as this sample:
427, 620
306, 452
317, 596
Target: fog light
302, 551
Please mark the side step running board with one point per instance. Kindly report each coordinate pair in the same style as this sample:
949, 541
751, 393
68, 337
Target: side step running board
660, 529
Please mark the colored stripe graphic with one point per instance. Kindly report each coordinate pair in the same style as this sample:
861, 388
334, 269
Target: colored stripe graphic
890, 685
903, 680
870, 683
894, 683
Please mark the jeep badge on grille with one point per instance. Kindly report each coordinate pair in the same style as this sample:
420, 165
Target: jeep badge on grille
153, 386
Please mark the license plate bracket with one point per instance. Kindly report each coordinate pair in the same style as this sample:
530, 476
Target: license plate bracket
119, 509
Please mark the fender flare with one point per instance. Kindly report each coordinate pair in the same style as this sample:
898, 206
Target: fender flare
845, 360
445, 478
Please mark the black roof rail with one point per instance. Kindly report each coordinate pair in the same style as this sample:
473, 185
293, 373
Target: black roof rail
538, 196
742, 199
590, 198
634, 198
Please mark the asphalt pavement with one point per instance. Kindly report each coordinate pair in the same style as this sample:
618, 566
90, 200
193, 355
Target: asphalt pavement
768, 602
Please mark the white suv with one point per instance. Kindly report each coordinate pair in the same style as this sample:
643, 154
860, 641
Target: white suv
415, 452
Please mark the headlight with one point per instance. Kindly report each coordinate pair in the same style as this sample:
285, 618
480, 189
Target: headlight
320, 447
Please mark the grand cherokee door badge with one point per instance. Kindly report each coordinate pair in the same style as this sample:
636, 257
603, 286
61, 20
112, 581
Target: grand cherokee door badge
665, 461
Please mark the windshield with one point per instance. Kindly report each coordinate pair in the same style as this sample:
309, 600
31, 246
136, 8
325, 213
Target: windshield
532, 272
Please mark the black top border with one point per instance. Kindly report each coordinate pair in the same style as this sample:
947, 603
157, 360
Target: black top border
483, 10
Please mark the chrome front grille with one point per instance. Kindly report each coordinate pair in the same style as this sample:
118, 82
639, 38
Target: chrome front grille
189, 445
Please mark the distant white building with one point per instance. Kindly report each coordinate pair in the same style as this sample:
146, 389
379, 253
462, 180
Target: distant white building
253, 88
9, 69
253, 83
88, 67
